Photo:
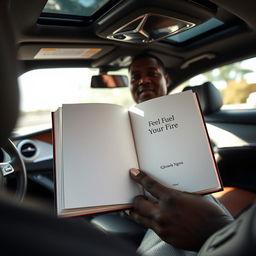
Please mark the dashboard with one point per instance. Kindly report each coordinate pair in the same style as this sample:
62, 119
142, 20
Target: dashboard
37, 152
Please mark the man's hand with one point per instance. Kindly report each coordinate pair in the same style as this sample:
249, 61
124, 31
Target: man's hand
182, 219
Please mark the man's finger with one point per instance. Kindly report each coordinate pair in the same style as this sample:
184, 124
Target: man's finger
142, 220
144, 207
155, 188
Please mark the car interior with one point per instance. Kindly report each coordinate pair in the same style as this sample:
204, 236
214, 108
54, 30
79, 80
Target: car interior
191, 37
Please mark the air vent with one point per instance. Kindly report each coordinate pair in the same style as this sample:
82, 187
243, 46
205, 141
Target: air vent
28, 149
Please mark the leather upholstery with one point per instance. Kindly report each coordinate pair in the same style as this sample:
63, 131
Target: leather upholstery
209, 97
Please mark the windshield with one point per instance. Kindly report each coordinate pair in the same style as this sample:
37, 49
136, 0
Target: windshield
43, 91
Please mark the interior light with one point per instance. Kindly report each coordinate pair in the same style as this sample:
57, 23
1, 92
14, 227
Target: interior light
150, 27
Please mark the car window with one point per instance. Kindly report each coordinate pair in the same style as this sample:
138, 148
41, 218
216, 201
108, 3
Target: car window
44, 90
236, 82
75, 7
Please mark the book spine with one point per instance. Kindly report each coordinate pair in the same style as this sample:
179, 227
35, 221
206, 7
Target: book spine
211, 150
54, 162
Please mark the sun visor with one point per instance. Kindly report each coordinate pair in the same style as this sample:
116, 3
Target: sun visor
158, 20
59, 51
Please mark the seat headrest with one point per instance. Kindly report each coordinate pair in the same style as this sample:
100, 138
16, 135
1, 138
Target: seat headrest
9, 94
209, 97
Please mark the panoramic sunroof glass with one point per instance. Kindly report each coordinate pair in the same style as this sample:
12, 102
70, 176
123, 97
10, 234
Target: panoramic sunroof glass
74, 7
195, 31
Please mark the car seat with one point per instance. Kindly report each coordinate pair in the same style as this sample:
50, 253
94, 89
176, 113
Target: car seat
235, 199
209, 97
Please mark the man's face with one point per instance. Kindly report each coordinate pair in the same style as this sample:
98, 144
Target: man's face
148, 80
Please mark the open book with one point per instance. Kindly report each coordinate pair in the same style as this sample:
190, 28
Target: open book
96, 144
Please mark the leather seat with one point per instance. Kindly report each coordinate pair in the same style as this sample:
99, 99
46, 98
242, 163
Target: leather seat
209, 97
236, 200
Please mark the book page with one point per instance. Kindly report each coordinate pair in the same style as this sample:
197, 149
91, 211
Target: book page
98, 151
172, 143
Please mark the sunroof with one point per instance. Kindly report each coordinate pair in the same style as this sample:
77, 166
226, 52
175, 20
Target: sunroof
74, 7
195, 31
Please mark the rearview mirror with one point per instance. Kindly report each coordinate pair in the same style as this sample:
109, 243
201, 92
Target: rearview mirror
109, 81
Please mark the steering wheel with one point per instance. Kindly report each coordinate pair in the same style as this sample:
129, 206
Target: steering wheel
13, 169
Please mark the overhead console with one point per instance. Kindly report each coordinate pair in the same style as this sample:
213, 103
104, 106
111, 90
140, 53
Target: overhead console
158, 20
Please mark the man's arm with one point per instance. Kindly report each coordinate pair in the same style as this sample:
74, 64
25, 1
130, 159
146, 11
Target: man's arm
184, 220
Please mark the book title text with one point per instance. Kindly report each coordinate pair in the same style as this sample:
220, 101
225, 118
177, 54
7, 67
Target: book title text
162, 124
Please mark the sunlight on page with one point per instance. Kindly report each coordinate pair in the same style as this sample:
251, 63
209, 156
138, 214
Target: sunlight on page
137, 111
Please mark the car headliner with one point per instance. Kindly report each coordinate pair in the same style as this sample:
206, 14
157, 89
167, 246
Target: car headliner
235, 41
